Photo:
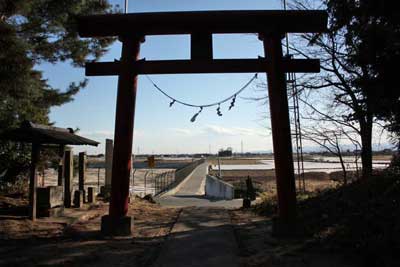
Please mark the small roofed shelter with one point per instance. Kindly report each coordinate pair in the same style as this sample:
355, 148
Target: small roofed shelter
39, 135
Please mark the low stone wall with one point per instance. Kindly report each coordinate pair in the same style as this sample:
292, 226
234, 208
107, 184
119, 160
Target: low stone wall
219, 189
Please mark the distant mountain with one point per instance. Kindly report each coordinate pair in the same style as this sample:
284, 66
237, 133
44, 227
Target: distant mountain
318, 149
375, 147
260, 152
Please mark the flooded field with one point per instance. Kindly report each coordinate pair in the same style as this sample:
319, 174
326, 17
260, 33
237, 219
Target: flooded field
319, 172
318, 164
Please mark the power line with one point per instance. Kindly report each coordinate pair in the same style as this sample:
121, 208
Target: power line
292, 83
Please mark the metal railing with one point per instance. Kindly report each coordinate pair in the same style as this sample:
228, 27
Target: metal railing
163, 182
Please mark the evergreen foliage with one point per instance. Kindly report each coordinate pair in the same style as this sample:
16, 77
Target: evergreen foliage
34, 32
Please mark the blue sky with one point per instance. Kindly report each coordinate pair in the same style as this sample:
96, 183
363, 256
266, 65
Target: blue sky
161, 129
158, 128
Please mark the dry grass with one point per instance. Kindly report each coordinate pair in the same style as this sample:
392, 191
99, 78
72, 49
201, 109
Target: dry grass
47, 244
265, 181
382, 157
258, 248
352, 225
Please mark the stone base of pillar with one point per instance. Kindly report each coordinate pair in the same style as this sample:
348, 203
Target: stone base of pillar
111, 226
283, 228
105, 192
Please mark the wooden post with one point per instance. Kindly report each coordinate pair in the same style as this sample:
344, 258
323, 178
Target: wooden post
82, 170
124, 124
201, 46
281, 134
82, 174
35, 155
90, 196
60, 180
68, 175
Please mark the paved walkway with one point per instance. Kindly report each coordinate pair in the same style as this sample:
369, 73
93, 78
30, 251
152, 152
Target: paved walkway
194, 184
191, 193
203, 235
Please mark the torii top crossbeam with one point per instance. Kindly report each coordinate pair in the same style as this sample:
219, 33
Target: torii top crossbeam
164, 23
201, 25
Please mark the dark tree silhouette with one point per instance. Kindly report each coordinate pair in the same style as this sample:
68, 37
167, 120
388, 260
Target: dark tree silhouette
354, 57
31, 33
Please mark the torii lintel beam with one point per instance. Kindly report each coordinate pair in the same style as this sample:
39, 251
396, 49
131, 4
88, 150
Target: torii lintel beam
165, 23
201, 66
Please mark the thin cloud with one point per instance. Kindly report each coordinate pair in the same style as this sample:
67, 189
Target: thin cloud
181, 131
97, 133
233, 131
219, 131
105, 133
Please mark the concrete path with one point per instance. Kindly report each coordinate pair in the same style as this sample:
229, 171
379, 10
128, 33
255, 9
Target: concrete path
194, 184
191, 193
202, 237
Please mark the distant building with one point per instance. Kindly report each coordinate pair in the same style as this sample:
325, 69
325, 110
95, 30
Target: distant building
225, 152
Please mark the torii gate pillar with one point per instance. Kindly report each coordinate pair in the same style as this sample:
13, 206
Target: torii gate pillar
201, 25
281, 135
117, 223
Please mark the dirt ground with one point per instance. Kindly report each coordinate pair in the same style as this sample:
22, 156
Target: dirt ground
352, 225
45, 243
258, 248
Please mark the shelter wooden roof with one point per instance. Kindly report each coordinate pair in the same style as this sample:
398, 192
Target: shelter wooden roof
42, 134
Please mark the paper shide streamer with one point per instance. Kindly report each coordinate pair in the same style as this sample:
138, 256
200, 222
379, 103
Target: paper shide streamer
232, 98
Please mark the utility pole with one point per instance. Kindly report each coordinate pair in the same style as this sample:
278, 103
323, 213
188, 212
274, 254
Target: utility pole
219, 167
126, 6
241, 146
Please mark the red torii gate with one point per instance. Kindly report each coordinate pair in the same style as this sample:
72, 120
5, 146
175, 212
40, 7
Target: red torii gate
271, 25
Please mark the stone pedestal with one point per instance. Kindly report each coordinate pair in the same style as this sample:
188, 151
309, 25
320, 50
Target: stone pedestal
50, 202
111, 226
78, 198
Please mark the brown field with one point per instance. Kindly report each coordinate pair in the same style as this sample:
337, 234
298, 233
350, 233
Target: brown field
264, 180
382, 157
